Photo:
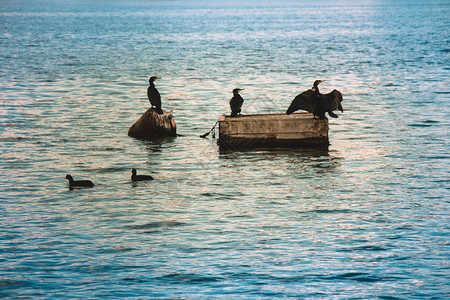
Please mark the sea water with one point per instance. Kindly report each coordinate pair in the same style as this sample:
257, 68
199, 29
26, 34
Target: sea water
366, 218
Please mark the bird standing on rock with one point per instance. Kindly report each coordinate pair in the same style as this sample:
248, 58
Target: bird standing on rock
236, 103
153, 95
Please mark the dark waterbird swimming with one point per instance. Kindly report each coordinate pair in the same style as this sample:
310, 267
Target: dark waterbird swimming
78, 183
315, 102
153, 95
135, 177
236, 103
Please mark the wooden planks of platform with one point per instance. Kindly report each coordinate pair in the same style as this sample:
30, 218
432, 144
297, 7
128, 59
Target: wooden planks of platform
273, 130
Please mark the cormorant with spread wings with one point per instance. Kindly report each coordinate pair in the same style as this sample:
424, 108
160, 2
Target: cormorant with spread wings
315, 102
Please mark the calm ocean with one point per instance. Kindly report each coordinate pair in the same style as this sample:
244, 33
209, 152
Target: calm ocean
366, 219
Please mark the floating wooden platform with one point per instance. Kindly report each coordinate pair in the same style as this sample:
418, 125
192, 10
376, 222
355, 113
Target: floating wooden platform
273, 130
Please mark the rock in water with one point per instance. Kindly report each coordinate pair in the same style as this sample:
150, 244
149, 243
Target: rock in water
152, 124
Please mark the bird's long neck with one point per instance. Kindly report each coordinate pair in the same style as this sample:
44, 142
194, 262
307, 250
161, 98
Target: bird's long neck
152, 84
316, 89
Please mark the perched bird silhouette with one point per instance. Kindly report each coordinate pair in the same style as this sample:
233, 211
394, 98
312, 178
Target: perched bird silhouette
236, 103
135, 177
315, 102
78, 183
305, 100
328, 103
153, 95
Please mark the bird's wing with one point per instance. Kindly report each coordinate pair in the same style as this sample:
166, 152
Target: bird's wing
338, 96
331, 101
304, 101
236, 102
153, 95
240, 101
157, 96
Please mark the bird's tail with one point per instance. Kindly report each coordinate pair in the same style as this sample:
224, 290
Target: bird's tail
233, 114
159, 110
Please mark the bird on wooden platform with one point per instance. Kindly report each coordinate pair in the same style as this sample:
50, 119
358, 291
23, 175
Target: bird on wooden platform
315, 102
236, 103
328, 103
153, 95
305, 100
135, 177
78, 183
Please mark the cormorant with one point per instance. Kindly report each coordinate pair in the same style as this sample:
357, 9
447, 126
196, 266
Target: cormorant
328, 103
236, 103
135, 177
153, 95
315, 102
306, 100
78, 183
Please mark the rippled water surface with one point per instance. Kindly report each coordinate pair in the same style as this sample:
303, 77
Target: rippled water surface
367, 218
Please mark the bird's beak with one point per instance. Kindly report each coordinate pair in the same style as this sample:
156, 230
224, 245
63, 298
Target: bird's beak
241, 90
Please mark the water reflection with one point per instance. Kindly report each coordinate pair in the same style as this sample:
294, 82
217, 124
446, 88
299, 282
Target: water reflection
156, 144
226, 152
369, 207
284, 161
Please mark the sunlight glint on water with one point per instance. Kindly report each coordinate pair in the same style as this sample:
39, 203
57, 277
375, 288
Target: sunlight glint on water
367, 218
